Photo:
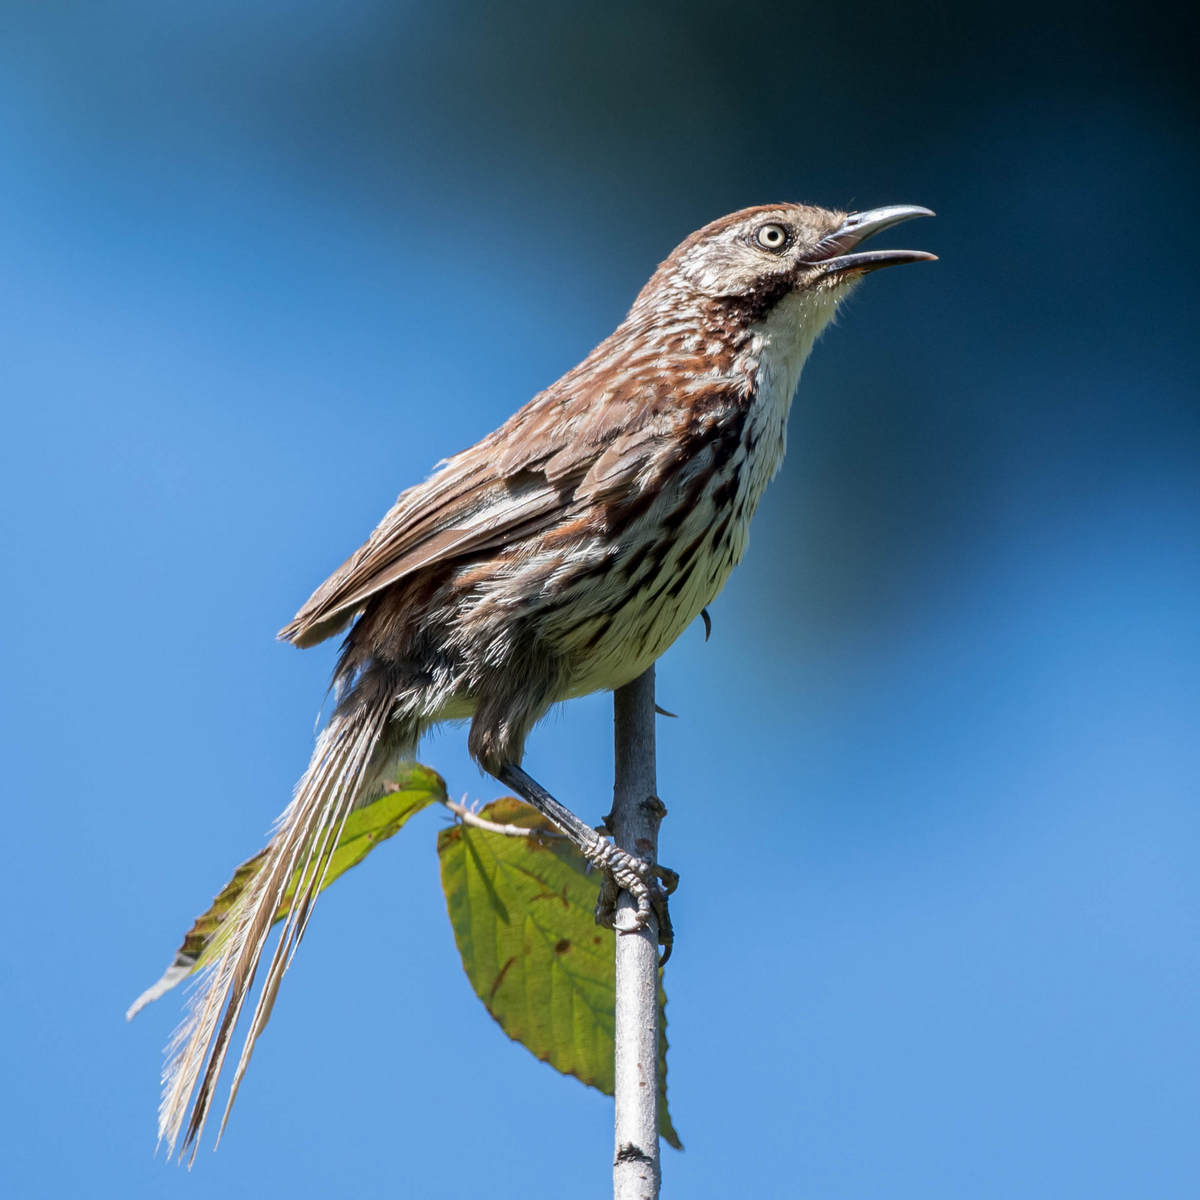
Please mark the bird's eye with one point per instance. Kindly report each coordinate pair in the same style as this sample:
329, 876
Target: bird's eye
772, 236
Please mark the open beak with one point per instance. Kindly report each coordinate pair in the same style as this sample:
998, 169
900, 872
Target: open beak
831, 252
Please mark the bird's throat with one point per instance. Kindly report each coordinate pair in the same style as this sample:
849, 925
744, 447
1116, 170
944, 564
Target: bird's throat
784, 339
779, 346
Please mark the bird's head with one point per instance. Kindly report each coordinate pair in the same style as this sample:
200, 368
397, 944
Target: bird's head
752, 259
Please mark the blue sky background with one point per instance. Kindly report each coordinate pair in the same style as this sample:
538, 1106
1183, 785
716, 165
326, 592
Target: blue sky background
262, 265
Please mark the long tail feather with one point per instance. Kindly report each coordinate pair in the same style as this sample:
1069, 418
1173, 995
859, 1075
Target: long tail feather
301, 850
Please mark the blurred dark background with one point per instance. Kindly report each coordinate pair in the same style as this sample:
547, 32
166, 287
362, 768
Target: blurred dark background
264, 264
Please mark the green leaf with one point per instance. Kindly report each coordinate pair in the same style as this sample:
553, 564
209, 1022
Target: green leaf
365, 828
522, 911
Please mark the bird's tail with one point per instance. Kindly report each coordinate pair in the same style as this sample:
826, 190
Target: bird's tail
345, 764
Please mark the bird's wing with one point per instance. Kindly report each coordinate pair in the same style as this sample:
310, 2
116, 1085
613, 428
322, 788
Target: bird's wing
517, 482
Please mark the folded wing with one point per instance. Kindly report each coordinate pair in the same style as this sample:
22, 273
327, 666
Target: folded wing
516, 483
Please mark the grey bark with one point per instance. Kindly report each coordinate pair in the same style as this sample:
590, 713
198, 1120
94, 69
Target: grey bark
634, 822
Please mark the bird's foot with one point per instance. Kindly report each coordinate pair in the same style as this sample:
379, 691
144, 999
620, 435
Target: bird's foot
648, 883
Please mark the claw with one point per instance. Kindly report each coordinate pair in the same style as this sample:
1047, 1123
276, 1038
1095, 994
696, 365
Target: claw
649, 885
647, 882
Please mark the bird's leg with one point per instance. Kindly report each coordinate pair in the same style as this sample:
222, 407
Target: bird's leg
648, 883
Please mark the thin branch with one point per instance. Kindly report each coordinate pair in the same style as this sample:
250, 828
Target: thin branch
635, 818
468, 816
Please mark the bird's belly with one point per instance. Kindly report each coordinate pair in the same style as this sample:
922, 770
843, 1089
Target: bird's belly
631, 611
629, 614
608, 650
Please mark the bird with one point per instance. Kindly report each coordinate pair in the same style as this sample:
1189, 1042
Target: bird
558, 556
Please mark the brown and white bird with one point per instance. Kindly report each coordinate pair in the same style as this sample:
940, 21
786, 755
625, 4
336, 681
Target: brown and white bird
560, 555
